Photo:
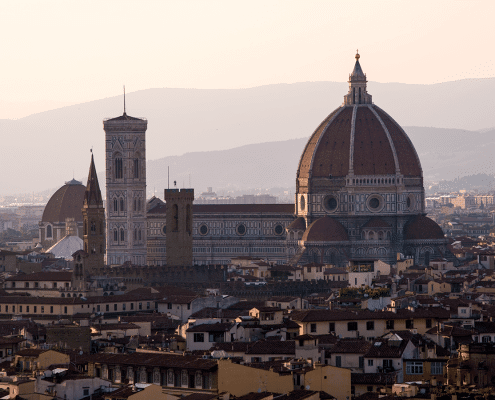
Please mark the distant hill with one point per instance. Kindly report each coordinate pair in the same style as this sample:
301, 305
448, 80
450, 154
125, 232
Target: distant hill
45, 149
480, 182
444, 153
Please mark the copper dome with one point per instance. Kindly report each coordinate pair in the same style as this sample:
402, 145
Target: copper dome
325, 229
66, 202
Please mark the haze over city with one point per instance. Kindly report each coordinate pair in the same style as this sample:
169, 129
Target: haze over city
291, 200
77, 54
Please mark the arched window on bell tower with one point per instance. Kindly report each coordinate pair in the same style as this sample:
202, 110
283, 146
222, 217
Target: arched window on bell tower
119, 170
136, 166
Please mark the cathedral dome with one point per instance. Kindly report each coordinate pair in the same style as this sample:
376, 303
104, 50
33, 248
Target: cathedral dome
66, 202
325, 229
421, 227
358, 138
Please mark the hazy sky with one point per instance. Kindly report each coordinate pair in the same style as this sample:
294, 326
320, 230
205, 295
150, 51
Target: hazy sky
63, 52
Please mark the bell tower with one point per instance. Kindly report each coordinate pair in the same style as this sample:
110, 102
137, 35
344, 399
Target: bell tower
125, 139
93, 222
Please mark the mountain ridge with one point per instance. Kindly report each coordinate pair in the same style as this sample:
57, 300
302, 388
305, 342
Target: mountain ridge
43, 147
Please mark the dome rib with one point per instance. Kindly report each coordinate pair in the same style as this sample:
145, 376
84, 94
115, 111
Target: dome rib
408, 161
352, 139
389, 138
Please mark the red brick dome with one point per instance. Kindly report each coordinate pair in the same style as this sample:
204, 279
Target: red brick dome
362, 137
66, 202
325, 229
358, 137
421, 227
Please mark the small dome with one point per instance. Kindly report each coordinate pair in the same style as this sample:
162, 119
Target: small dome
421, 227
299, 224
66, 202
325, 229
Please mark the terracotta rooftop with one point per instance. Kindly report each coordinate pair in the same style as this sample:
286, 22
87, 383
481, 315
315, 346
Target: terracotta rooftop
165, 360
217, 327
359, 346
386, 348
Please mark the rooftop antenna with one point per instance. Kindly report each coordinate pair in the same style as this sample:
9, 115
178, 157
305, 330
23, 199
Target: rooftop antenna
124, 99
168, 176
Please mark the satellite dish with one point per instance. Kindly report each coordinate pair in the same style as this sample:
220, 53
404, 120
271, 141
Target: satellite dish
81, 353
259, 390
307, 387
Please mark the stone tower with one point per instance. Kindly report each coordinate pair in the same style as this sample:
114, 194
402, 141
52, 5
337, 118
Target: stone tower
125, 138
93, 221
179, 226
93, 212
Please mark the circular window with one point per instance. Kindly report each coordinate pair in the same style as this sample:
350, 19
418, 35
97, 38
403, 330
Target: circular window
203, 229
375, 203
279, 229
241, 229
164, 229
302, 203
330, 203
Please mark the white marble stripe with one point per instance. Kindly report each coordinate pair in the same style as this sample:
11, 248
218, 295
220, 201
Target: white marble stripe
406, 135
351, 147
394, 152
323, 134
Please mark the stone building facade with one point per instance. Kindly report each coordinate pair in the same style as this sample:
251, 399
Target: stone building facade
221, 232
